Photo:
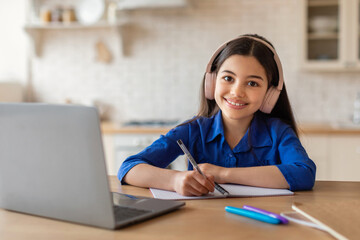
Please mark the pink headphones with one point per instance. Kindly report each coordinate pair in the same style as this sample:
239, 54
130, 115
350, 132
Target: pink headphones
272, 93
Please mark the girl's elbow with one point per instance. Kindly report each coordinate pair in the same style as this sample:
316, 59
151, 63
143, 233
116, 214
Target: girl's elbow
308, 185
307, 180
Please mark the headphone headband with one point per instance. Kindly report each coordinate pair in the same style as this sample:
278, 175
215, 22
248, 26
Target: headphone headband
273, 92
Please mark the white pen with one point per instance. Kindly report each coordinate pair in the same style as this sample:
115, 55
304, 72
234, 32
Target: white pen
195, 166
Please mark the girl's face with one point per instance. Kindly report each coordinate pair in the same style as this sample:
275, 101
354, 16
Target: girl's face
241, 85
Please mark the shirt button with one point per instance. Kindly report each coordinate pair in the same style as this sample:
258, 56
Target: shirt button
230, 155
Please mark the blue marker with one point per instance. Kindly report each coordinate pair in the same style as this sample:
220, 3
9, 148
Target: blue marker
251, 214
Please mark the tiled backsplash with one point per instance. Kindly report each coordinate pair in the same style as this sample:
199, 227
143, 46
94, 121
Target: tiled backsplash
165, 55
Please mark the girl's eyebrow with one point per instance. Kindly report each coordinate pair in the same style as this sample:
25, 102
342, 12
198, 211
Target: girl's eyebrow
228, 71
250, 76
256, 76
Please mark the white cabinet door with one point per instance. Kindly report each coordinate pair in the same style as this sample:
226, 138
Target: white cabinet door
126, 145
344, 153
337, 157
108, 145
316, 146
328, 48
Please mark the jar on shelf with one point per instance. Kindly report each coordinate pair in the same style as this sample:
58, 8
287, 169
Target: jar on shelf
56, 14
45, 14
68, 15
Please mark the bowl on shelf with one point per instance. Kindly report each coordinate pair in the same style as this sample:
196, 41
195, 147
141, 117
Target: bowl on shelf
90, 11
323, 24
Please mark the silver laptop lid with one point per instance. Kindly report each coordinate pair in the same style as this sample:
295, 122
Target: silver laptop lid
52, 163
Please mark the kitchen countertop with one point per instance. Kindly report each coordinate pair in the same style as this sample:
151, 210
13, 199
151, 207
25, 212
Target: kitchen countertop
114, 128
306, 128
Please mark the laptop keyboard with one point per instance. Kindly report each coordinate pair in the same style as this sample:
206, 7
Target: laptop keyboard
124, 213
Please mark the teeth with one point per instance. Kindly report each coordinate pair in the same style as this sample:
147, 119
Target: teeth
235, 104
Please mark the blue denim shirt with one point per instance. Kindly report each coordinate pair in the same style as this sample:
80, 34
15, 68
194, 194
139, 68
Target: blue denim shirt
268, 141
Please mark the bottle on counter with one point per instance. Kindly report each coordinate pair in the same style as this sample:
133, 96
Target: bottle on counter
356, 116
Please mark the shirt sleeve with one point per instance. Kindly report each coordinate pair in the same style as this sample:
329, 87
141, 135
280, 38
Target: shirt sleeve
160, 153
298, 169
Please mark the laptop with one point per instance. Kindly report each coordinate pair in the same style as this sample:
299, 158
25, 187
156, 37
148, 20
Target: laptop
52, 164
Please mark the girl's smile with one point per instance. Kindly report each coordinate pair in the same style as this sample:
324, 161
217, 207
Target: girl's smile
236, 104
241, 85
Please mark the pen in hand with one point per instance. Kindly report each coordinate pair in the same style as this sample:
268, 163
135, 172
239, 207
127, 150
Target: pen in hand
195, 166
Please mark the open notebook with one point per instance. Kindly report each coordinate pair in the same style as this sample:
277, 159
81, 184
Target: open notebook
234, 190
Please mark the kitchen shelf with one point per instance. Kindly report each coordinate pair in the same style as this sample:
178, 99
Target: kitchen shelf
35, 31
151, 4
75, 25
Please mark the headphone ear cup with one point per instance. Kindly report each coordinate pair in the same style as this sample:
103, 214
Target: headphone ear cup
209, 85
270, 99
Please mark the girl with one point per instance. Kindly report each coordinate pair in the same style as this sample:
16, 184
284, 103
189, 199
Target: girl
244, 133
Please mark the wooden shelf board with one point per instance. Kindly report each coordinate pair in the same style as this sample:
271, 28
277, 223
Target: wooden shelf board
75, 25
323, 36
323, 3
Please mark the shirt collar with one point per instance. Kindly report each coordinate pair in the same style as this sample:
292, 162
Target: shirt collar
260, 135
217, 127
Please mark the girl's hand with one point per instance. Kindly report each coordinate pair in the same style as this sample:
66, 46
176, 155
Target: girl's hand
192, 183
213, 170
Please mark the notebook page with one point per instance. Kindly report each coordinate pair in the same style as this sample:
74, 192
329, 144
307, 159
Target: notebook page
169, 195
236, 190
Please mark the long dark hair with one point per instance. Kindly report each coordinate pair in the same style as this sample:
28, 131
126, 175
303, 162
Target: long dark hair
250, 47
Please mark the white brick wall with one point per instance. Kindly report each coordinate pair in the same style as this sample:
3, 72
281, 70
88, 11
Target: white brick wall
166, 52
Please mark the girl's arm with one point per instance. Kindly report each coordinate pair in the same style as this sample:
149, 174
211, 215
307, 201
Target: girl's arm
148, 168
262, 176
186, 183
288, 165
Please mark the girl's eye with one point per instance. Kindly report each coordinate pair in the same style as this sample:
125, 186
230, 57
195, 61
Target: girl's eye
228, 79
253, 84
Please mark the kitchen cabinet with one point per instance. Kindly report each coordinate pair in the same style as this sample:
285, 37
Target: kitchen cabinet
108, 146
336, 155
345, 158
120, 146
330, 35
316, 147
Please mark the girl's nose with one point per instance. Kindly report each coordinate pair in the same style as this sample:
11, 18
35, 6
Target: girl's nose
238, 90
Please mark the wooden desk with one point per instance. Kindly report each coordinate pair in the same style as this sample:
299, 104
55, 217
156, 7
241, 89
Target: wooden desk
199, 219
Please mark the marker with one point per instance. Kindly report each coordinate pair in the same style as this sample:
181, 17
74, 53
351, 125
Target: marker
195, 166
270, 214
251, 214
